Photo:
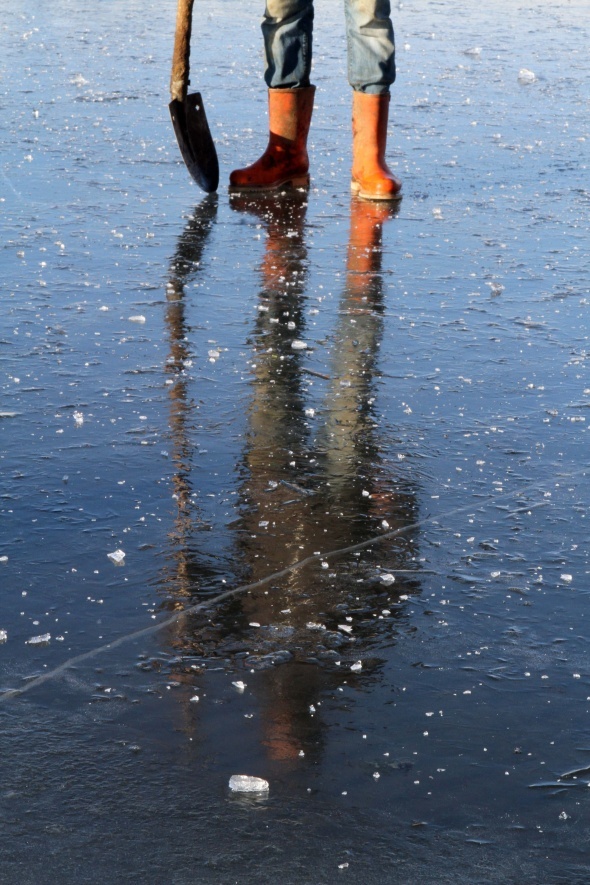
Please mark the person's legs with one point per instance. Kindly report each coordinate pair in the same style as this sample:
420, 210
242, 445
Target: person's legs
287, 29
371, 71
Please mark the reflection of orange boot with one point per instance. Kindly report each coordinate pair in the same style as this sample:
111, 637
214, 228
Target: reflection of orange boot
366, 235
285, 160
371, 177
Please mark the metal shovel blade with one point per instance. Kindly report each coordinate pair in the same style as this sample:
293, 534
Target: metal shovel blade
195, 140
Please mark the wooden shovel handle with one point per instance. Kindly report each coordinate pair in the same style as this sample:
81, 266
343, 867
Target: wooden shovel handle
179, 77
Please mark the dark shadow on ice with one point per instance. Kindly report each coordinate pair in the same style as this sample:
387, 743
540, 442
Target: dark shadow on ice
311, 480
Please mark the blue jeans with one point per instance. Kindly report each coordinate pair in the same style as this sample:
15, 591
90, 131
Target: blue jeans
287, 29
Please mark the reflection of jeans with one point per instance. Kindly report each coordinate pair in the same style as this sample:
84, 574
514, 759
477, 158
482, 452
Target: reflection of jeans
287, 29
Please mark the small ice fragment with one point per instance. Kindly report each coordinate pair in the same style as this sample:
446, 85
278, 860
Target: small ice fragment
254, 624
195, 699
117, 556
376, 775
384, 524
366, 494
39, 640
526, 76
137, 319
78, 418
356, 667
3, 635
313, 625
343, 866
244, 783
213, 354
567, 578
388, 578
563, 816
311, 708
239, 685
298, 345
3, 558
309, 413
345, 628
475, 51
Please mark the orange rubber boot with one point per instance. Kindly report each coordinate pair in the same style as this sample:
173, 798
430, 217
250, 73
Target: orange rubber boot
371, 177
285, 160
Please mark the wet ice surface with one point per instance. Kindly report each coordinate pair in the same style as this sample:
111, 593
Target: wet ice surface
408, 490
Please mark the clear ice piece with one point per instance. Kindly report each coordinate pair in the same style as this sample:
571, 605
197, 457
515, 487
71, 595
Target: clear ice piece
244, 783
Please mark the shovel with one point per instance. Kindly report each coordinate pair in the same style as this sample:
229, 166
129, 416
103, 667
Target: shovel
187, 111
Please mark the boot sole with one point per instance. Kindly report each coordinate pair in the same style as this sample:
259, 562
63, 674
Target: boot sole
295, 182
357, 191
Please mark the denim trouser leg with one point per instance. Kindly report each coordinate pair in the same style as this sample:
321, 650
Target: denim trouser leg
371, 48
287, 30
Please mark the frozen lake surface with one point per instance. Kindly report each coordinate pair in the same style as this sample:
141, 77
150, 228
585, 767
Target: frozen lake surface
369, 425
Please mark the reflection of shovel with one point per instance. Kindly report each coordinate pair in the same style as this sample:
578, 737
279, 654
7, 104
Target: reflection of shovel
187, 111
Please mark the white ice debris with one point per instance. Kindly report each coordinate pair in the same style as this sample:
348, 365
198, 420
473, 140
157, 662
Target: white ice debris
3, 635
309, 413
239, 685
356, 667
388, 578
313, 625
195, 699
567, 578
244, 783
345, 628
139, 318
3, 558
526, 76
298, 345
117, 556
475, 51
39, 640
78, 418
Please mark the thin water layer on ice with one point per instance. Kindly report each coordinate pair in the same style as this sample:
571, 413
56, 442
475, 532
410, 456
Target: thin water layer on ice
366, 427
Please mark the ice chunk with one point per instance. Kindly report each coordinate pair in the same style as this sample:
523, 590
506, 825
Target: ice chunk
298, 345
475, 51
117, 556
244, 783
3, 635
526, 76
39, 640
388, 578
356, 667
3, 558
78, 418
139, 318
239, 685
567, 578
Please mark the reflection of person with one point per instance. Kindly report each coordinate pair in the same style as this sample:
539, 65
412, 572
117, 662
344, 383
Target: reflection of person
306, 491
301, 491
287, 31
